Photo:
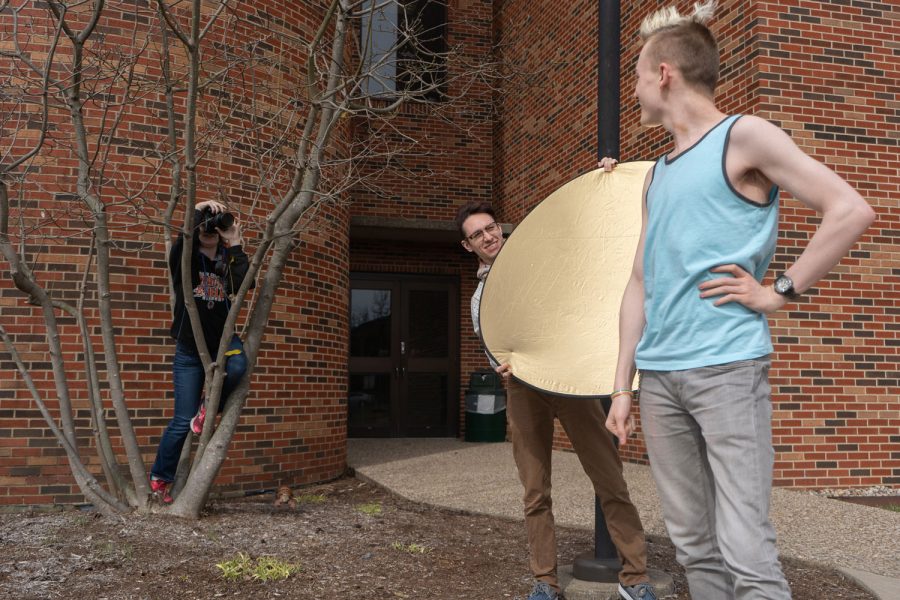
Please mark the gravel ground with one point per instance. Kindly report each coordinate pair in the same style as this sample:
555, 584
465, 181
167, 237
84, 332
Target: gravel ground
841, 534
876, 490
482, 478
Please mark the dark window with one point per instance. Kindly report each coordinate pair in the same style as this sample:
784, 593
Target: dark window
404, 47
370, 322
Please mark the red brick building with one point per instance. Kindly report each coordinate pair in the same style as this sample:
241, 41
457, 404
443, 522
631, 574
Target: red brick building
827, 73
371, 335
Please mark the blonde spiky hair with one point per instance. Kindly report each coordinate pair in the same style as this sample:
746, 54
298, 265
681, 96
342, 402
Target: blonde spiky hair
670, 17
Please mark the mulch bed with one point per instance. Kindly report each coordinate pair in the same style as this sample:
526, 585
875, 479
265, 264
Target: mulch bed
351, 541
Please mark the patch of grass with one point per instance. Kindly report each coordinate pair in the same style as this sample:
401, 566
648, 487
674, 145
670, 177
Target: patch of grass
81, 520
372, 509
236, 568
411, 548
109, 550
311, 498
269, 568
893, 507
264, 568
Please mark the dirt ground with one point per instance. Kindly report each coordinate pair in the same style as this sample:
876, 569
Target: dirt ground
351, 540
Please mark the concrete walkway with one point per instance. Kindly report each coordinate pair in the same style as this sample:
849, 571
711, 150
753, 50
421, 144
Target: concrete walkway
861, 541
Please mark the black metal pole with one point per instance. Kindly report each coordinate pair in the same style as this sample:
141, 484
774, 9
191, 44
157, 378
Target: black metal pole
604, 565
608, 60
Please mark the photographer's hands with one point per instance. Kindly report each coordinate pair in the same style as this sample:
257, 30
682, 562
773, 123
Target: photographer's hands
213, 205
231, 236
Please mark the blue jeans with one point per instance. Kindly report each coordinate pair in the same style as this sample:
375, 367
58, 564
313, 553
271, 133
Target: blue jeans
188, 377
709, 436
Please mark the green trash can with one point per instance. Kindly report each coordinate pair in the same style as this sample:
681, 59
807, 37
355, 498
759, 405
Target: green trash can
485, 408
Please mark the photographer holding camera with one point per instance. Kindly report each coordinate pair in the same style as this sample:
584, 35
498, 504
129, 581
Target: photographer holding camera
218, 267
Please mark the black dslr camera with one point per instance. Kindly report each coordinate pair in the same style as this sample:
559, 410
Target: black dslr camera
208, 221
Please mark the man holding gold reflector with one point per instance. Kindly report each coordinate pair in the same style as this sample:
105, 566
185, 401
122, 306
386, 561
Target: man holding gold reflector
547, 316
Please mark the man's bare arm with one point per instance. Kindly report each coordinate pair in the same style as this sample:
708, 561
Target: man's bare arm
757, 144
631, 326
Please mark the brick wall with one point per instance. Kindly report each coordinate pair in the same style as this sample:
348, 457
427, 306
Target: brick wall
450, 164
828, 74
825, 72
293, 427
445, 147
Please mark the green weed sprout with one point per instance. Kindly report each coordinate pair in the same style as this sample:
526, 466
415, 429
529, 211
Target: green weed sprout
311, 498
372, 509
264, 568
411, 548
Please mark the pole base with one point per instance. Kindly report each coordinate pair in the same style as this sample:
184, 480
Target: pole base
576, 589
603, 570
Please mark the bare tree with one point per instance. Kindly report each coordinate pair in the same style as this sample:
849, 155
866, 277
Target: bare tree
230, 84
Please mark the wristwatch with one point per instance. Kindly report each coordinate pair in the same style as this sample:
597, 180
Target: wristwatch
784, 285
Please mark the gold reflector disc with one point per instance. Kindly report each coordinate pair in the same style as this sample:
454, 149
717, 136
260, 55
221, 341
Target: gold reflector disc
550, 306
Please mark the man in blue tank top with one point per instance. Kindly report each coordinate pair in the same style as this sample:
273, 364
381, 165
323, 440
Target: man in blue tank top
693, 316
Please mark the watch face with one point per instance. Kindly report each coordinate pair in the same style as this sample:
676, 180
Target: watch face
783, 284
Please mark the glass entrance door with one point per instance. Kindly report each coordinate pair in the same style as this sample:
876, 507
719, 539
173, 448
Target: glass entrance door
404, 357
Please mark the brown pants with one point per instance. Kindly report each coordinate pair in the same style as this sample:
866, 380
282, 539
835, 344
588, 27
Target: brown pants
531, 415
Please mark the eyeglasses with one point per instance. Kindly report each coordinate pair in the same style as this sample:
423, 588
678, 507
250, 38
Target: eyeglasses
491, 228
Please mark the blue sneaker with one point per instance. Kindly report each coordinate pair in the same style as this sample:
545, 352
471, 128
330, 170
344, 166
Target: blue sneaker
543, 591
641, 591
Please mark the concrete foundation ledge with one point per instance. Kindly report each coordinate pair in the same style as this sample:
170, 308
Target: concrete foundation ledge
575, 589
884, 588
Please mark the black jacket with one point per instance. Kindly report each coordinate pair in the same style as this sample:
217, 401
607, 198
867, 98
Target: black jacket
213, 281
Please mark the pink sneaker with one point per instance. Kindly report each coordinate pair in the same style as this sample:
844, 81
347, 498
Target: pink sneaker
199, 418
160, 489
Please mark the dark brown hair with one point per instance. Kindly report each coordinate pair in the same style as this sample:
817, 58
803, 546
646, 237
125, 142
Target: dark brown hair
473, 207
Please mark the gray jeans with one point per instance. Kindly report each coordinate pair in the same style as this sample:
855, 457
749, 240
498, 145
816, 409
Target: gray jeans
709, 436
